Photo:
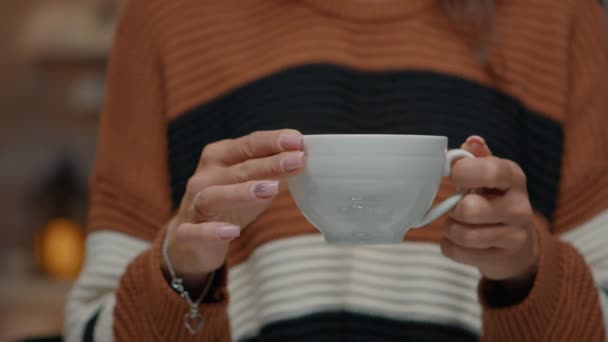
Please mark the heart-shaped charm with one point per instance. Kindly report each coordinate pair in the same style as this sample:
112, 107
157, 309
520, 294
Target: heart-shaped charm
193, 322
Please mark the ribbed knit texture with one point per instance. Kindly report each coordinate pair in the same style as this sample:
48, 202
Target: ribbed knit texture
90, 304
189, 72
550, 302
149, 310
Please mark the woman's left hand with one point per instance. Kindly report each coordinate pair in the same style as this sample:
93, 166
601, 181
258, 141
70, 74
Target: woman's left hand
492, 227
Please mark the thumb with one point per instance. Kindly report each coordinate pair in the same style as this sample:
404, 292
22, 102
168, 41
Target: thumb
477, 145
206, 232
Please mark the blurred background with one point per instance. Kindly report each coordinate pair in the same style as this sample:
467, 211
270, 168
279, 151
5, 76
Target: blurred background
52, 61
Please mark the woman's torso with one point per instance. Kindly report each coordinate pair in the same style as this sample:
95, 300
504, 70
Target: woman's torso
231, 68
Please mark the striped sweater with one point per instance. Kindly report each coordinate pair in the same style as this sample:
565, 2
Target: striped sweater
185, 73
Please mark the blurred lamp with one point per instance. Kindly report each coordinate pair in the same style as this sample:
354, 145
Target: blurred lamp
60, 248
59, 240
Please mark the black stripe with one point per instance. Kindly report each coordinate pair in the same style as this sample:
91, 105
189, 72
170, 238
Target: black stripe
89, 329
331, 99
347, 326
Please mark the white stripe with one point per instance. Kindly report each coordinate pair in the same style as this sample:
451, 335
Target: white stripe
103, 328
591, 240
107, 255
589, 231
301, 275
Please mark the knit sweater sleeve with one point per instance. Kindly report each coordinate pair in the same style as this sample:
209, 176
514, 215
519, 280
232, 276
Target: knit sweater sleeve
130, 205
147, 309
565, 302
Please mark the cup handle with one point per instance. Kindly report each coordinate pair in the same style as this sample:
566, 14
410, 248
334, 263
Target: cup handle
451, 201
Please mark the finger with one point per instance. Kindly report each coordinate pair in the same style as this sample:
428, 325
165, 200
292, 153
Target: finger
474, 208
483, 237
207, 232
487, 172
468, 256
213, 200
273, 167
477, 145
518, 177
513, 207
255, 145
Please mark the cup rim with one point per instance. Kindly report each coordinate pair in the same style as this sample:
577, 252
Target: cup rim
377, 136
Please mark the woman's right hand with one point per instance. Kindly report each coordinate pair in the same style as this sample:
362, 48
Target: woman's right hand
235, 181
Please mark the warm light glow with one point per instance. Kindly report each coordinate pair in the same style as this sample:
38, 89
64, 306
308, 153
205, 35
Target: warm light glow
62, 248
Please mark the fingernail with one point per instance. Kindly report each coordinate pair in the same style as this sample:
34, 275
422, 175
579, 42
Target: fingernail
228, 232
266, 190
292, 161
290, 141
475, 140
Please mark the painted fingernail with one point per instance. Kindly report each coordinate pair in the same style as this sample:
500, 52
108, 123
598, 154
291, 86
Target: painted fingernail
292, 161
290, 141
228, 232
475, 140
266, 189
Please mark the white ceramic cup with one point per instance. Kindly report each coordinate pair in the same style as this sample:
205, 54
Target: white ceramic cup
370, 189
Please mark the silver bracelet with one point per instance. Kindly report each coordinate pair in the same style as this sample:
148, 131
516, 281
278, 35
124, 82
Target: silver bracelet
193, 319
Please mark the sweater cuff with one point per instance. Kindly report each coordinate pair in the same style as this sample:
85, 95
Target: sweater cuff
168, 309
535, 312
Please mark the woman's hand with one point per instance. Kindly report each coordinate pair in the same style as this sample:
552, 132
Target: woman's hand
492, 227
234, 182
